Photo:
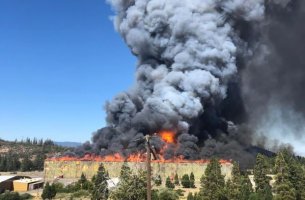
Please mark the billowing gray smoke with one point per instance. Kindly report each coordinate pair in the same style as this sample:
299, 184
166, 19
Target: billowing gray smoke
190, 57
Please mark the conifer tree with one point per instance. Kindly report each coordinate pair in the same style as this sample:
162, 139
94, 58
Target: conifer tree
246, 188
38, 162
176, 179
261, 179
265, 193
125, 172
283, 188
49, 191
84, 183
169, 183
185, 181
192, 180
100, 189
131, 189
234, 185
296, 173
158, 180
212, 182
26, 164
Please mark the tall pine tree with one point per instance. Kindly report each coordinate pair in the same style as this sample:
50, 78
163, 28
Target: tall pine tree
100, 189
283, 188
246, 188
234, 186
261, 179
212, 183
125, 172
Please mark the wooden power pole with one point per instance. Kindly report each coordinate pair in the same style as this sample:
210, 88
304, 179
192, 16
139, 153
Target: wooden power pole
148, 166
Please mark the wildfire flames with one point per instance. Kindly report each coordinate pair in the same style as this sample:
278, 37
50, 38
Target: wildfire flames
168, 136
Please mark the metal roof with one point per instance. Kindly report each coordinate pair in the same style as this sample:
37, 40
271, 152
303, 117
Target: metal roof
27, 180
5, 178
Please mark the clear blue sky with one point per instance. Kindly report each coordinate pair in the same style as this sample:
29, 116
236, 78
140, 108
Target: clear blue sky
60, 60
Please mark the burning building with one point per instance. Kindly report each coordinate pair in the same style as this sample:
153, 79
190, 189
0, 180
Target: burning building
200, 65
72, 168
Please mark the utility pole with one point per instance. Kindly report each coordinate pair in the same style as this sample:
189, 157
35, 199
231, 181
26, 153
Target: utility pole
148, 166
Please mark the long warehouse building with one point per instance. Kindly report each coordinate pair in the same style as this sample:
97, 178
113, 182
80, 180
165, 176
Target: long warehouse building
72, 169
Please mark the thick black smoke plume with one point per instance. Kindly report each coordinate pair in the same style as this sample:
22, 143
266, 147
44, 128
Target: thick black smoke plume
193, 56
274, 79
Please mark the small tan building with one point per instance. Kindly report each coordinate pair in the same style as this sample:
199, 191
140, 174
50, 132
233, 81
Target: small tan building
6, 182
24, 185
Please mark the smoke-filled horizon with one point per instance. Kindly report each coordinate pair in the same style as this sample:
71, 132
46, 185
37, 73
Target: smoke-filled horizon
201, 74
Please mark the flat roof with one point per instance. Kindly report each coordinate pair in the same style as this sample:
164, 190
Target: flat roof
5, 178
28, 180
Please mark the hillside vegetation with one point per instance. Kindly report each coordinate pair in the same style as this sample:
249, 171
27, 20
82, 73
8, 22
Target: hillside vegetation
26, 155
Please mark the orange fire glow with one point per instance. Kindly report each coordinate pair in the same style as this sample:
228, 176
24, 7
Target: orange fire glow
168, 136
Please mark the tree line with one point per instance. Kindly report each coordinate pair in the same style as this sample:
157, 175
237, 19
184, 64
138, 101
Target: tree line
30, 157
14, 162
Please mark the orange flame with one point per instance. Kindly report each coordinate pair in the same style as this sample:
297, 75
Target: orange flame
168, 136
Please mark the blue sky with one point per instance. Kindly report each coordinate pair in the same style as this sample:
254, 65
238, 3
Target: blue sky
60, 60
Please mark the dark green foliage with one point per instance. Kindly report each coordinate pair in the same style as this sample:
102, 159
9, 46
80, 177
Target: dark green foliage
49, 191
26, 196
169, 183
197, 196
212, 182
26, 164
234, 186
176, 179
261, 179
283, 188
246, 188
192, 180
9, 196
154, 195
84, 184
265, 193
59, 187
100, 186
29, 152
158, 180
131, 188
296, 172
125, 172
190, 196
254, 196
9, 162
12, 196
38, 162
185, 181
80, 193
167, 194
71, 188
180, 192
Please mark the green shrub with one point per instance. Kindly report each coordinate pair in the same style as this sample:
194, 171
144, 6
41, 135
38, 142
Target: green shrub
180, 192
7, 195
168, 194
81, 193
25, 196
